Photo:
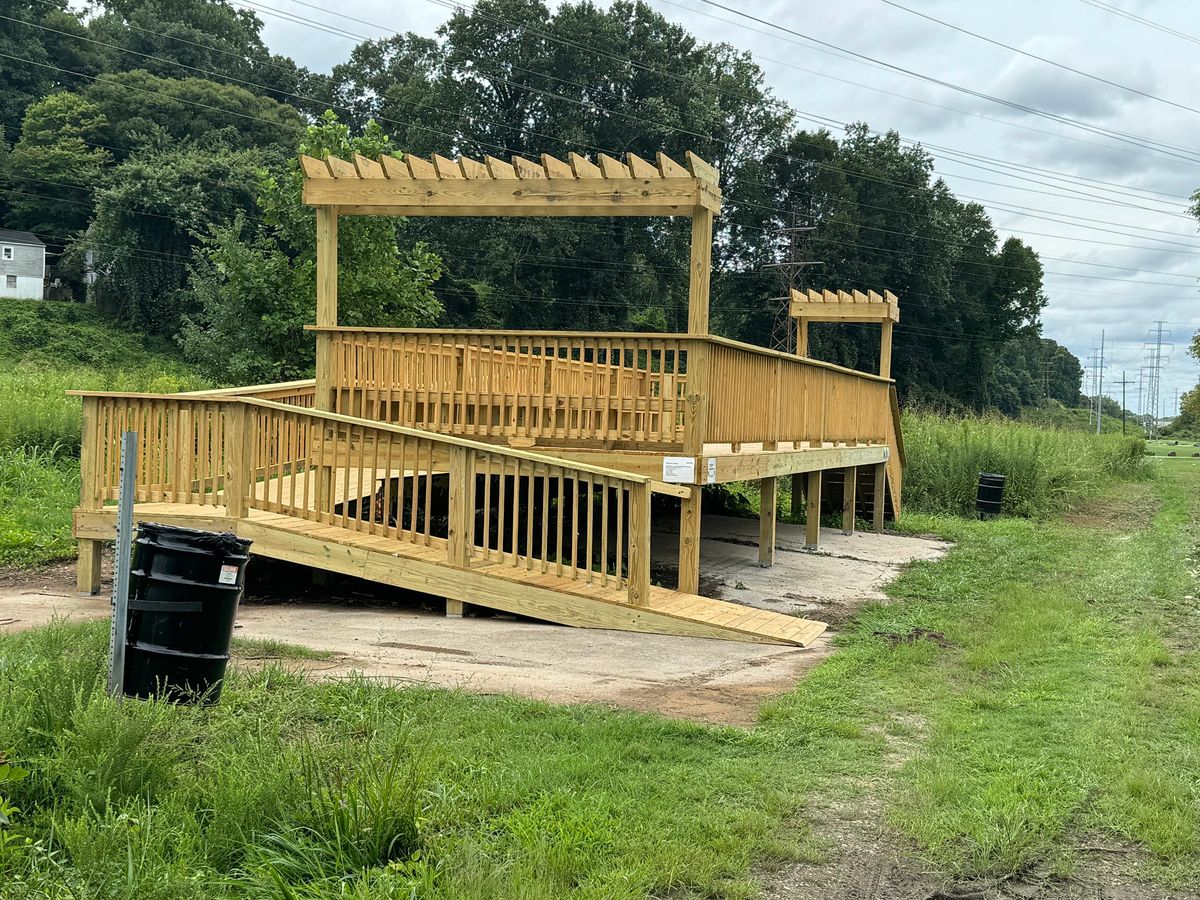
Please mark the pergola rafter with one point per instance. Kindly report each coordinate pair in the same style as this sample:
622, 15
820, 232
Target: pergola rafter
439, 186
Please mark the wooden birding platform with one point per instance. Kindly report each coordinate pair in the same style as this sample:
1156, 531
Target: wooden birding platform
512, 469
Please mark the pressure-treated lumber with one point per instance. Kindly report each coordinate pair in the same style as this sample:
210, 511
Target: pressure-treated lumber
549, 186
699, 271
849, 497
689, 542
878, 497
766, 521
87, 571
495, 586
812, 524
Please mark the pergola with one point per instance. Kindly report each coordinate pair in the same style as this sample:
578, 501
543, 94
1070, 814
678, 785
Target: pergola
412, 186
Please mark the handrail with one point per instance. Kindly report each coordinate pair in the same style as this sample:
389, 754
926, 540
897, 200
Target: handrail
454, 441
252, 389
604, 335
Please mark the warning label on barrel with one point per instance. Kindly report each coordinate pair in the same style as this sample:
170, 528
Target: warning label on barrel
228, 575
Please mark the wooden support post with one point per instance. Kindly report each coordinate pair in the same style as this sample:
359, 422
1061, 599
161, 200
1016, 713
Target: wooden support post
454, 608
849, 497
699, 366
797, 495
639, 544
87, 570
766, 521
460, 539
802, 337
327, 314
327, 302
885, 349
812, 524
700, 272
689, 542
238, 438
878, 501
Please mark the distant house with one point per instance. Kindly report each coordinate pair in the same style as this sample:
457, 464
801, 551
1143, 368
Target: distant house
22, 264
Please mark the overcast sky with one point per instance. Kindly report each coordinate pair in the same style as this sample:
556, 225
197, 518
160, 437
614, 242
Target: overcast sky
1142, 199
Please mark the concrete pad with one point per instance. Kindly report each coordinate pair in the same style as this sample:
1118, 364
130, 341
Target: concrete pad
708, 680
827, 584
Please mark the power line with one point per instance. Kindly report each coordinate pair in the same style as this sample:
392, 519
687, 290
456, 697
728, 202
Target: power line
1043, 59
1115, 10
1154, 146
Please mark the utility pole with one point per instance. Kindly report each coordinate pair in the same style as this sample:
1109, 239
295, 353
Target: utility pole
1124, 381
789, 270
1100, 386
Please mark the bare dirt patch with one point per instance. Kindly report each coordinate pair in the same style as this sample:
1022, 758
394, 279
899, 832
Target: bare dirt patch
1134, 509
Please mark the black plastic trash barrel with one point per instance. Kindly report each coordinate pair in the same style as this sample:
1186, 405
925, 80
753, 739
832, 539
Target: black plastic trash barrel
184, 590
990, 495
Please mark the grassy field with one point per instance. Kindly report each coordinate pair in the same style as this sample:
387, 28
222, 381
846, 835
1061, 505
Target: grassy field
1062, 708
46, 349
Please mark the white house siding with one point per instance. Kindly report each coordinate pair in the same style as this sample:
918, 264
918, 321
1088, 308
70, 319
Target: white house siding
28, 265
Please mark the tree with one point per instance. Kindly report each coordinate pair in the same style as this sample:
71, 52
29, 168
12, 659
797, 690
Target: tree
255, 282
147, 218
53, 170
146, 110
180, 39
509, 75
45, 55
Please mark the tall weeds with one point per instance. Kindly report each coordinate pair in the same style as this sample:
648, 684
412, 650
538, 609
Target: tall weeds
1047, 470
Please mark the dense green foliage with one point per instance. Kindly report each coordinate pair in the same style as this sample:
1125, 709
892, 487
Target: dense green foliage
1047, 470
254, 283
1059, 706
191, 121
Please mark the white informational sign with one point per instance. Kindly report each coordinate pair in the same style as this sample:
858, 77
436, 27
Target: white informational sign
712, 470
679, 469
228, 575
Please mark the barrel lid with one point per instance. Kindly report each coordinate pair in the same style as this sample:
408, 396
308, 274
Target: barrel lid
223, 542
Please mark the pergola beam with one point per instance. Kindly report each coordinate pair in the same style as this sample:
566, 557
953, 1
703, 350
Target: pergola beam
440, 186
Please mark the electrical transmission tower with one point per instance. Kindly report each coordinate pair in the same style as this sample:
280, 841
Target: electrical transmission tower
1154, 361
797, 240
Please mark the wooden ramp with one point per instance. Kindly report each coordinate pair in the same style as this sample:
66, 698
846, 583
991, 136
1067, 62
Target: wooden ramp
424, 568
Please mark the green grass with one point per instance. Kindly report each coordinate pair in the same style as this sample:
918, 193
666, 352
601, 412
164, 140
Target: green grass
1065, 710
46, 349
1048, 470
1067, 418
1183, 449
37, 491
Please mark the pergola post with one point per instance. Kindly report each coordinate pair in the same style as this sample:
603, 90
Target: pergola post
327, 315
327, 312
885, 350
700, 272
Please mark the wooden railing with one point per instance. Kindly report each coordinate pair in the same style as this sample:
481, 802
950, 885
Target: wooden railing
181, 447
550, 386
479, 504
763, 395
667, 392
294, 393
469, 503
